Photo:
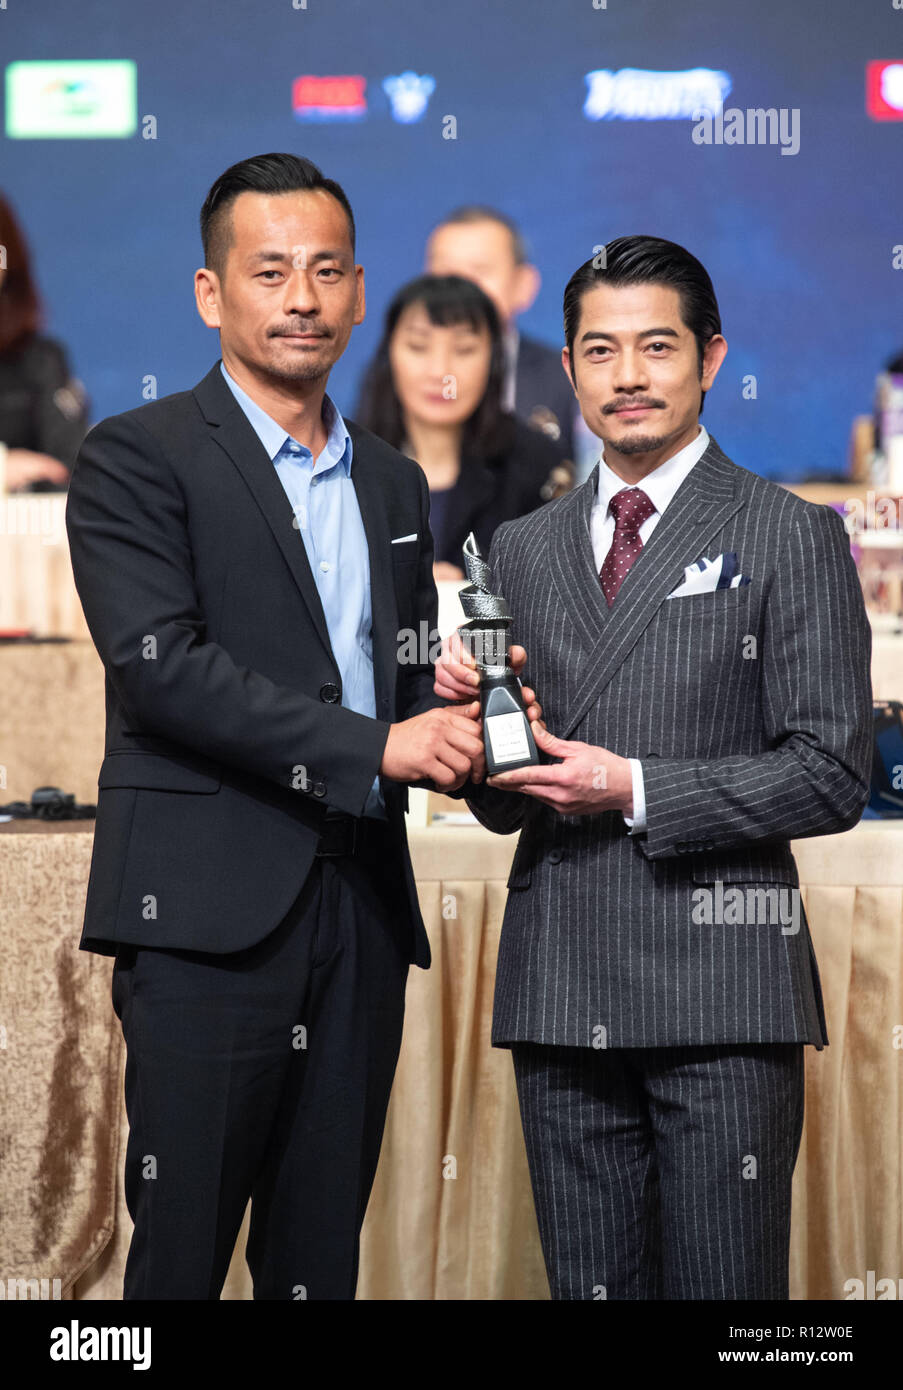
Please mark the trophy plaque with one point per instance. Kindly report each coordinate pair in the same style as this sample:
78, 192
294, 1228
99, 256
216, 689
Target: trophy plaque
507, 736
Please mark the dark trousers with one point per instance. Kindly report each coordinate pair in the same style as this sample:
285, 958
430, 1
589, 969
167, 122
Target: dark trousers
663, 1172
264, 1074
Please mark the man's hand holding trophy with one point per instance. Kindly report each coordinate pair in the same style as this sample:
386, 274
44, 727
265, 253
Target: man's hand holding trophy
577, 778
476, 660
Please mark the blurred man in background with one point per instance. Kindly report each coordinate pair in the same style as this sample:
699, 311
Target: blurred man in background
486, 246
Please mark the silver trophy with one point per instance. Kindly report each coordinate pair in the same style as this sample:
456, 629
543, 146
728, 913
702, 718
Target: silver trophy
507, 736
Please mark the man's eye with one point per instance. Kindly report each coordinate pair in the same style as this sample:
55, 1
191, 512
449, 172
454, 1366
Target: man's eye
264, 273
330, 270
659, 345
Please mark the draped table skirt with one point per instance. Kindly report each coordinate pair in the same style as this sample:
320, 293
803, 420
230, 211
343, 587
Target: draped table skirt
451, 1214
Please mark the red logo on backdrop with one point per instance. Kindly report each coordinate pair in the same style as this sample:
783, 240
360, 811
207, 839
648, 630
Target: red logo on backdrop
884, 90
328, 98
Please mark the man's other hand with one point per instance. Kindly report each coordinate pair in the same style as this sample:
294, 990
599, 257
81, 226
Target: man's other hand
457, 678
586, 781
442, 746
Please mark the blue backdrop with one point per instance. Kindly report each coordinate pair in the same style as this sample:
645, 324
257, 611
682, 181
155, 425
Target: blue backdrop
800, 247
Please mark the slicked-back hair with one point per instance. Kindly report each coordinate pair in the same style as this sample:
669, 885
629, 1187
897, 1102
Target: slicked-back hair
263, 173
648, 260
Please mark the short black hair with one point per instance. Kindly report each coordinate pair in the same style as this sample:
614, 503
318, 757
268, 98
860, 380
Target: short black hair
263, 173
480, 212
447, 299
648, 260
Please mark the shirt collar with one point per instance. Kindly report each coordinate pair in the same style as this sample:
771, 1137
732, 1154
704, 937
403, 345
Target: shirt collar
274, 438
661, 484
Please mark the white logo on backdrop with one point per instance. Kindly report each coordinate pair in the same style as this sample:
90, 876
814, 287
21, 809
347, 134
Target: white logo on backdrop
409, 95
634, 94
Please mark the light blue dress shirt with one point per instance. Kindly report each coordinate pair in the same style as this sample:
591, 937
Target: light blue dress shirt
328, 517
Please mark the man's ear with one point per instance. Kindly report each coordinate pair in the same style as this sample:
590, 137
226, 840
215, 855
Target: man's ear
566, 363
713, 356
361, 308
206, 296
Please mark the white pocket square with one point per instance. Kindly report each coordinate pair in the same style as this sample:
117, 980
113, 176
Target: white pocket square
399, 540
705, 576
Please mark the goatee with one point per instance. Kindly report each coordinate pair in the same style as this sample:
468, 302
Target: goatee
299, 371
640, 443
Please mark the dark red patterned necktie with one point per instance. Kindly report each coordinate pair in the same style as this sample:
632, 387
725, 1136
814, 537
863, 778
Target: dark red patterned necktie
631, 507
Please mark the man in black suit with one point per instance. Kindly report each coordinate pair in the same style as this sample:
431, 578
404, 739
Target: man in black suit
486, 246
246, 561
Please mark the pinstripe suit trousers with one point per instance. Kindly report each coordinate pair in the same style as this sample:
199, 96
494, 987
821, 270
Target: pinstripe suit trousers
663, 1172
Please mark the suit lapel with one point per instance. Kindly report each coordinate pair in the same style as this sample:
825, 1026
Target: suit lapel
700, 507
572, 563
234, 433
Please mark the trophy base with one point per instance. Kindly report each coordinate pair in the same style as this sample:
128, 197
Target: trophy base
507, 737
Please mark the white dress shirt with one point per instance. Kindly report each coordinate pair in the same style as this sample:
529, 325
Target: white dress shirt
659, 486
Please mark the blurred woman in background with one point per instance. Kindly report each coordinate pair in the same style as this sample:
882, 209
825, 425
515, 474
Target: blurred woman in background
434, 392
43, 411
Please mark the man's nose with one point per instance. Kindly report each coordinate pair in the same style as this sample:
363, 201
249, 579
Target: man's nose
300, 294
631, 373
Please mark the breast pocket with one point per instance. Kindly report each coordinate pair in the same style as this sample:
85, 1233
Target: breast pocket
405, 552
705, 645
405, 565
714, 602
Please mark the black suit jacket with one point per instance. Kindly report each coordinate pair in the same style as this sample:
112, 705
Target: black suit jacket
225, 741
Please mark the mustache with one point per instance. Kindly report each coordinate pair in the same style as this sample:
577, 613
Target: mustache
299, 328
632, 402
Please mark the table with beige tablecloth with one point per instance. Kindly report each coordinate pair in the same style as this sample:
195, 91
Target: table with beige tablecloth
451, 1215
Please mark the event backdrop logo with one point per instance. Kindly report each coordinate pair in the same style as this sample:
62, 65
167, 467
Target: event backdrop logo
634, 94
343, 98
329, 98
409, 95
71, 99
884, 90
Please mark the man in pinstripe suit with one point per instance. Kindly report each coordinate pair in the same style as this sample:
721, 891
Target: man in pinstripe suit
698, 638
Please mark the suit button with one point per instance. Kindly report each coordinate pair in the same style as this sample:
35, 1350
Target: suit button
680, 846
319, 788
555, 856
330, 693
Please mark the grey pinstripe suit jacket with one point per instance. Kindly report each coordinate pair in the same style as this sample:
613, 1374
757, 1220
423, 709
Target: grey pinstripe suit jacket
740, 753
